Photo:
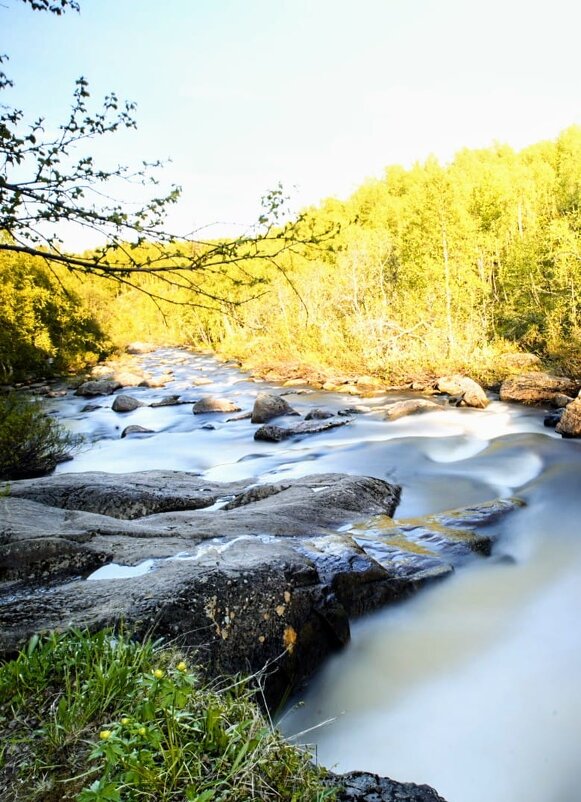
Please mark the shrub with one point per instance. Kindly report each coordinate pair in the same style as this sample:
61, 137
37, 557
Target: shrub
31, 443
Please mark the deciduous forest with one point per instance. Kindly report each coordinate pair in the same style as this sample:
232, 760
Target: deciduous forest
432, 268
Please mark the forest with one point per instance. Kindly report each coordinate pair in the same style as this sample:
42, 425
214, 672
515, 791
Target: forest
433, 268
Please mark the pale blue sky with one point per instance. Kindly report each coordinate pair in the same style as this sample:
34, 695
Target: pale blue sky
318, 94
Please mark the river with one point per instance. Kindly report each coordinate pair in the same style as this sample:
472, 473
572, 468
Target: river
473, 685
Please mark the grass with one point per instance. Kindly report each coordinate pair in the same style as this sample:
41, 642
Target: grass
100, 718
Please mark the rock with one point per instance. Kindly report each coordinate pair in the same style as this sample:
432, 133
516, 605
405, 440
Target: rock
267, 406
155, 381
140, 348
243, 416
570, 423
349, 389
359, 786
267, 579
124, 496
90, 407
167, 401
358, 409
136, 429
125, 403
410, 407
208, 427
294, 382
538, 388
128, 378
214, 404
369, 381
201, 382
274, 434
98, 387
469, 393
520, 362
553, 418
560, 400
319, 414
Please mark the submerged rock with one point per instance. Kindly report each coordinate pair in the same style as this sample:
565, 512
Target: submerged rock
213, 404
274, 434
411, 407
167, 401
136, 429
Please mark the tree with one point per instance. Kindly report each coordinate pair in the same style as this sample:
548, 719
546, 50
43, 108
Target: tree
47, 180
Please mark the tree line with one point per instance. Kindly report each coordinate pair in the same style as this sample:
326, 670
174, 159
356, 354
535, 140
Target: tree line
432, 267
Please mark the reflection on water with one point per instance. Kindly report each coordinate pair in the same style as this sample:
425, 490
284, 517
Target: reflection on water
473, 686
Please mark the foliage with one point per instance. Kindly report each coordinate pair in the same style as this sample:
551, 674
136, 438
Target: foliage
99, 718
31, 443
43, 326
436, 268
49, 179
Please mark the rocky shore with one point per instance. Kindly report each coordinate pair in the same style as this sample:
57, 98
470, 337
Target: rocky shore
253, 577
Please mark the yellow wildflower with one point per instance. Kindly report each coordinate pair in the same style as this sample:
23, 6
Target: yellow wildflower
182, 666
125, 721
141, 730
158, 673
104, 735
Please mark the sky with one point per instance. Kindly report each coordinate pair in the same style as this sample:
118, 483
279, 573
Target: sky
316, 94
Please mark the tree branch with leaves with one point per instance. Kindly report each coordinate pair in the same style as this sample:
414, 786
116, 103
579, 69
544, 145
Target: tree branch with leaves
49, 179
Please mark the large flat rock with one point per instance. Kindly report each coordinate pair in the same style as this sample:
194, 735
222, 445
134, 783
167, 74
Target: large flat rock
271, 577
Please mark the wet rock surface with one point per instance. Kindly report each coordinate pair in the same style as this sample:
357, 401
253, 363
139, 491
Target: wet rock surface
274, 434
411, 407
268, 406
359, 786
569, 424
467, 392
272, 573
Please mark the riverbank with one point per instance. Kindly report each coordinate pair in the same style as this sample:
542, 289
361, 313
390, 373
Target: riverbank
459, 457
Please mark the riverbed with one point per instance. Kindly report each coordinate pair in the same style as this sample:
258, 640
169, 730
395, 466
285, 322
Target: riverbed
472, 686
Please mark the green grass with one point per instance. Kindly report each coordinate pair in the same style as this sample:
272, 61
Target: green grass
99, 718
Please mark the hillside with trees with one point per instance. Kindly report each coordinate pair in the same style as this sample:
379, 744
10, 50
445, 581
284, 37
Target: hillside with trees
431, 268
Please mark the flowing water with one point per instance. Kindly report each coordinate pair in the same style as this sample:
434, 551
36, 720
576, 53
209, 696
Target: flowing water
473, 686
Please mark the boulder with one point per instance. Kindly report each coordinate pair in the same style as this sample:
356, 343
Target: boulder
167, 401
98, 387
468, 392
274, 434
411, 407
570, 422
156, 381
267, 579
267, 406
125, 403
214, 404
538, 388
124, 496
136, 429
520, 362
140, 348
201, 381
319, 414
